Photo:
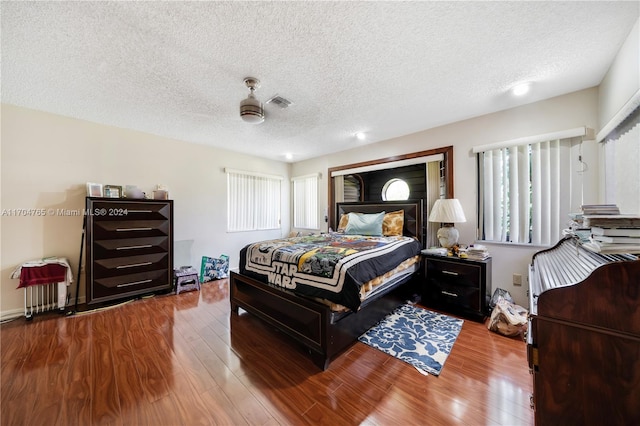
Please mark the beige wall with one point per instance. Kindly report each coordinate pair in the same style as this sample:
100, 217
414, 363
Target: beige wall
560, 113
47, 160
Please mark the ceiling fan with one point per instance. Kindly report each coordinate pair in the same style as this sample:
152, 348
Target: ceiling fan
251, 109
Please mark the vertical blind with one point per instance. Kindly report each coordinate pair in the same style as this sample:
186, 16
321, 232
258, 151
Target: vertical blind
253, 201
524, 192
621, 164
305, 202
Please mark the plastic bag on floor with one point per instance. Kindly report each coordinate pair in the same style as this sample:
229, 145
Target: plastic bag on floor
508, 319
500, 294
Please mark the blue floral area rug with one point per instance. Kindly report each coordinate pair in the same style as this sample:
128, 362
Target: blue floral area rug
417, 336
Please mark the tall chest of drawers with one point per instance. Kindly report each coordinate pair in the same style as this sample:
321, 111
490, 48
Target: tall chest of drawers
129, 248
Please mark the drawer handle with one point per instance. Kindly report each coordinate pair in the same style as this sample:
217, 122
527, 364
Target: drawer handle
133, 229
139, 211
449, 293
133, 265
134, 247
450, 273
134, 283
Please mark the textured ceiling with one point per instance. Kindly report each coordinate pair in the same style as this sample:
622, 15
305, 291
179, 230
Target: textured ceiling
385, 68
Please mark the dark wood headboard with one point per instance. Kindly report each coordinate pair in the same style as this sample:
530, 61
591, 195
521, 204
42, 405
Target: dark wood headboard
412, 214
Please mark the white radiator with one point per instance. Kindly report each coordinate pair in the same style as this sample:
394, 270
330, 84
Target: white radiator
43, 298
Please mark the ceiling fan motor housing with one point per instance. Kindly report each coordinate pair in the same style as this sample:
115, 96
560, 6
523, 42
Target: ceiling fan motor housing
251, 109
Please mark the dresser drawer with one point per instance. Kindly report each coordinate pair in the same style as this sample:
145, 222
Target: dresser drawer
110, 267
105, 230
129, 247
463, 296
103, 210
144, 282
454, 273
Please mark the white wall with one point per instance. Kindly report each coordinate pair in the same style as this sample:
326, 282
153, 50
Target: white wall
560, 113
622, 79
47, 160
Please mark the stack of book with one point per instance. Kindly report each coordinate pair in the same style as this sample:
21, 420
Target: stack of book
477, 252
600, 209
616, 239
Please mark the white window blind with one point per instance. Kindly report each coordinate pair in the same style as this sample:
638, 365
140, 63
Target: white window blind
524, 192
253, 201
622, 156
305, 202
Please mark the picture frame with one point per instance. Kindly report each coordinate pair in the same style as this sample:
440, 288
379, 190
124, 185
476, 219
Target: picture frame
113, 191
94, 189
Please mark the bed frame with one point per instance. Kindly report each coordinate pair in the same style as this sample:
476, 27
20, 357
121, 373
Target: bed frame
323, 332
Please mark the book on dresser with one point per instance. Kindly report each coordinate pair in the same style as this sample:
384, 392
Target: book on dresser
129, 248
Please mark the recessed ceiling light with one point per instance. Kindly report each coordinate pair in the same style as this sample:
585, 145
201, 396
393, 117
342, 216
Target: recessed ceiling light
361, 136
521, 89
288, 156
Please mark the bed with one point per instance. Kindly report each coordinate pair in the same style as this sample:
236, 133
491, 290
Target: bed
328, 316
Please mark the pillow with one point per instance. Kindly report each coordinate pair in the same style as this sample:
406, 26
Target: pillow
365, 224
393, 223
344, 219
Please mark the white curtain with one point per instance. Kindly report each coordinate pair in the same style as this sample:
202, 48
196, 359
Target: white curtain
253, 201
524, 192
305, 202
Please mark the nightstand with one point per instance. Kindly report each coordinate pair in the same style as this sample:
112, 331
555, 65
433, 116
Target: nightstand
460, 286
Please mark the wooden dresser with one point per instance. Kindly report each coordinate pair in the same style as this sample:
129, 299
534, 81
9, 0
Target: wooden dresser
129, 247
584, 336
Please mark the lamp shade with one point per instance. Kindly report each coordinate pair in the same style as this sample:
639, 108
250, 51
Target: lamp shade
447, 211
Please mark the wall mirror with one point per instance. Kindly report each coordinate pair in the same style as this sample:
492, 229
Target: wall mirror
427, 174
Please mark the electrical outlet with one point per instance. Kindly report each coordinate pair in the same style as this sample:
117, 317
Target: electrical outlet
517, 279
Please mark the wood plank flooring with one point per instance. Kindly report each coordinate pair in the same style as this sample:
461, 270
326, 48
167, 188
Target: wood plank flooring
184, 360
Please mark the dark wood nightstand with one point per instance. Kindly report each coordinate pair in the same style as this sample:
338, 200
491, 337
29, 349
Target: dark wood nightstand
460, 286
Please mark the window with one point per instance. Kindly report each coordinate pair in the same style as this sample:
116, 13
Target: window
305, 202
253, 201
525, 189
395, 190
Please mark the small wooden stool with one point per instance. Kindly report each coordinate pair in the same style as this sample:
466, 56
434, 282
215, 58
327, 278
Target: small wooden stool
186, 279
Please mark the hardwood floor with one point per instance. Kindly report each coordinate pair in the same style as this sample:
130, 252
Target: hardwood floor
184, 360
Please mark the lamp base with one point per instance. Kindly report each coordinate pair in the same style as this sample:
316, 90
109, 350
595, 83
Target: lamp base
448, 236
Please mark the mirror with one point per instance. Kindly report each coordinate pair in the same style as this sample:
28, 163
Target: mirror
431, 171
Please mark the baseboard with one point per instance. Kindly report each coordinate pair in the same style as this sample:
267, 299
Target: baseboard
19, 312
11, 314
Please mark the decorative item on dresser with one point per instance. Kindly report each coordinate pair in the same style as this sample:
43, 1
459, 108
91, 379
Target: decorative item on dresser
583, 344
129, 248
462, 286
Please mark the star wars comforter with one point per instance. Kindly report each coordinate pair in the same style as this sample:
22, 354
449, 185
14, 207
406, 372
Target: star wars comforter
328, 266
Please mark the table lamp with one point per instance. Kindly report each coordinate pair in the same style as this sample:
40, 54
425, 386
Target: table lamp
447, 211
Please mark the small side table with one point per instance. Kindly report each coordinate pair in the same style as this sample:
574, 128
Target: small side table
186, 279
461, 286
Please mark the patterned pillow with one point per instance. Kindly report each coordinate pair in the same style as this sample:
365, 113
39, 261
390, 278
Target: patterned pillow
393, 223
344, 220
